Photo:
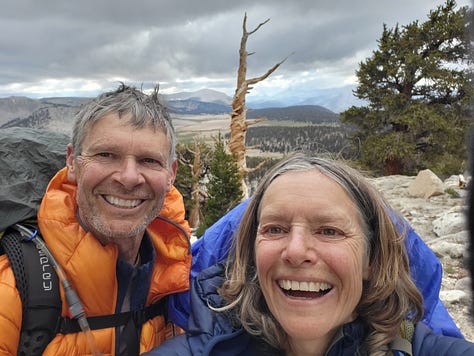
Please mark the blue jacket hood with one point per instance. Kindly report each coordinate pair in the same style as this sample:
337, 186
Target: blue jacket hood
211, 333
426, 270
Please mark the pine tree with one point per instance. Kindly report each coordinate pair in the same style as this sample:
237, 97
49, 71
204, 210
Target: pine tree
224, 187
418, 86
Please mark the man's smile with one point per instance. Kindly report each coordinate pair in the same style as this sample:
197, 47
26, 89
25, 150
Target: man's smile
122, 203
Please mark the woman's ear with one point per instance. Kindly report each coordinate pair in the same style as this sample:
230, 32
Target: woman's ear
70, 164
366, 272
366, 269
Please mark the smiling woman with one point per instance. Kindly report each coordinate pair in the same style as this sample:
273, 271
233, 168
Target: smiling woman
319, 267
310, 237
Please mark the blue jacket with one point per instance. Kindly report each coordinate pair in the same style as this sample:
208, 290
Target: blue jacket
426, 270
211, 333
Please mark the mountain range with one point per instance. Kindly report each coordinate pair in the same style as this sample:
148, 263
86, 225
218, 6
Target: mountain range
58, 112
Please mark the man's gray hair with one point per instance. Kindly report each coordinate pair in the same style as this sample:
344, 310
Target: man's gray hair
129, 103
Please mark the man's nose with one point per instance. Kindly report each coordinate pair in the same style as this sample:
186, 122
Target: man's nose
129, 174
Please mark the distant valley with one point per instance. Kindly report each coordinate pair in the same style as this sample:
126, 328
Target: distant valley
204, 113
57, 114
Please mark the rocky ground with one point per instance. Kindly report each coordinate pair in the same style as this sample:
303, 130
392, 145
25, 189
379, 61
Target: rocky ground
440, 221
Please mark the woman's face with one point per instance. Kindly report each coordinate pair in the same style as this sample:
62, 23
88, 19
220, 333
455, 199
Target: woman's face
311, 257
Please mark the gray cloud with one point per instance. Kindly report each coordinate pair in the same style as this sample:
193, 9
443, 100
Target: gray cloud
180, 42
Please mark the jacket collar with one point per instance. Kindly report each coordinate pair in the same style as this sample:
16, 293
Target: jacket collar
91, 267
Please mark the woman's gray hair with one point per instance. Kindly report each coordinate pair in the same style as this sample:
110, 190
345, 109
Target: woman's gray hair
388, 297
131, 104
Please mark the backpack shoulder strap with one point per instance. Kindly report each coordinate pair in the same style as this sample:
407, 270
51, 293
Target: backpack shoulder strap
38, 286
67, 325
131, 322
403, 340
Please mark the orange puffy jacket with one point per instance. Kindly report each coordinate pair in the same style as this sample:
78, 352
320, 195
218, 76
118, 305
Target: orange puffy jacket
91, 270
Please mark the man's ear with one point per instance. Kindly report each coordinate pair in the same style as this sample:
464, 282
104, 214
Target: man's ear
172, 175
70, 163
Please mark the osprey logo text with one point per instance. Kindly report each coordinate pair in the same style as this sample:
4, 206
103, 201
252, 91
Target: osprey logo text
46, 272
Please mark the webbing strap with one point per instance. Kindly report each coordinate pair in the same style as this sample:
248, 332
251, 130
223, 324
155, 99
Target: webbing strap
139, 317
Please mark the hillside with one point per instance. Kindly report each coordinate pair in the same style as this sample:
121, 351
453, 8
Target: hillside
17, 107
53, 118
315, 139
315, 114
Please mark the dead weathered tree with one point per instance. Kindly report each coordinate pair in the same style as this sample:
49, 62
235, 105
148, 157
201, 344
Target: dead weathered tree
196, 161
238, 121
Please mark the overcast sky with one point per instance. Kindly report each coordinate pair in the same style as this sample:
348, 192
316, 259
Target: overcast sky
82, 47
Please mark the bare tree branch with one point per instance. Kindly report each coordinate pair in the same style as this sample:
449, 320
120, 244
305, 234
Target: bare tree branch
267, 74
239, 122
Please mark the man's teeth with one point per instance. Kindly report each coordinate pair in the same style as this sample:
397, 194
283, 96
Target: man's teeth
122, 203
304, 286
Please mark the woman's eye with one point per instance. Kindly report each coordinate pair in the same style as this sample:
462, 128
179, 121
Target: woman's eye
272, 231
331, 233
275, 230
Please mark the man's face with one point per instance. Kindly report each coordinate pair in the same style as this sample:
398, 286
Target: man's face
122, 175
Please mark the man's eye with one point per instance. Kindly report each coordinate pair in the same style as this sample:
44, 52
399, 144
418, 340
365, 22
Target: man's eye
104, 154
152, 163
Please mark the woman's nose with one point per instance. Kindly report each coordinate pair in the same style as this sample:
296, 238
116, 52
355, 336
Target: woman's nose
301, 247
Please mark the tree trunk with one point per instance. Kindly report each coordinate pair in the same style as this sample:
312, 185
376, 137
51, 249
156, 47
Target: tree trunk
195, 217
238, 118
392, 166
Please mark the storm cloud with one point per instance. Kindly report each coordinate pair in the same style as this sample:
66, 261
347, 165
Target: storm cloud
62, 48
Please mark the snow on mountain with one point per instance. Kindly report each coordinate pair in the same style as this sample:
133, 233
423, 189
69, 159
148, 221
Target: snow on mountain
203, 95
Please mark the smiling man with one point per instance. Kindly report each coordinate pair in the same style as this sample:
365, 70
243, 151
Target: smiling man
123, 174
115, 224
